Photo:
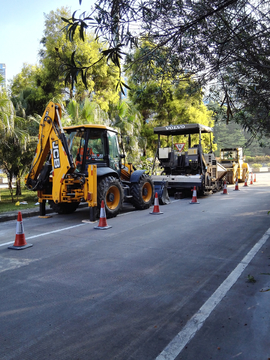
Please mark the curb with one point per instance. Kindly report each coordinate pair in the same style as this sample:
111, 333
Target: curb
12, 215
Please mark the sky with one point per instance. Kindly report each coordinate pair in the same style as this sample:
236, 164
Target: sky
22, 26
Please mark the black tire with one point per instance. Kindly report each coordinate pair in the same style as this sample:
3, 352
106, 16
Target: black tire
64, 208
110, 190
200, 191
142, 193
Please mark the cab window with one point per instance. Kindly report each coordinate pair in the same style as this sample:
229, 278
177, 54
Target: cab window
76, 141
113, 151
95, 146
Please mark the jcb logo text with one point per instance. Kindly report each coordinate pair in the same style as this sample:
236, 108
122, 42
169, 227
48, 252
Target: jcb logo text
56, 156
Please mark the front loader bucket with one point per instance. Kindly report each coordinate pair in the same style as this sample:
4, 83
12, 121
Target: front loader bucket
161, 188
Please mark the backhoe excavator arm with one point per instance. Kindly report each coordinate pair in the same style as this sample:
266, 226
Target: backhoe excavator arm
52, 146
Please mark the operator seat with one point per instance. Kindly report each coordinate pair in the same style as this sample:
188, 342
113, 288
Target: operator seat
80, 152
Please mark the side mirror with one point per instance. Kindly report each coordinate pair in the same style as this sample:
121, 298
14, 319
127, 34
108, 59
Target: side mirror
122, 156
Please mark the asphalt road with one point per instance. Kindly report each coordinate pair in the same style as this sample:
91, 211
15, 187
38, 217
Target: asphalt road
169, 286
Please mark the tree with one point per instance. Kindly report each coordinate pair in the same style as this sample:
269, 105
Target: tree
233, 135
7, 113
164, 101
55, 57
14, 142
227, 41
84, 112
27, 95
128, 120
35, 86
123, 116
15, 157
229, 136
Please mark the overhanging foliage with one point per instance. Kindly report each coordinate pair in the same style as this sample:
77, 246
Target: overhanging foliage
226, 41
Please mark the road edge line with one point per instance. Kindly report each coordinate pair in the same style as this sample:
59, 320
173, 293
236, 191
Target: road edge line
173, 349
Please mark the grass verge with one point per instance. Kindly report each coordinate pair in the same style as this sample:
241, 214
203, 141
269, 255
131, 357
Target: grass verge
7, 205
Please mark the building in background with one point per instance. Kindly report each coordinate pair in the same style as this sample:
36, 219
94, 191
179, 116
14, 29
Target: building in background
3, 74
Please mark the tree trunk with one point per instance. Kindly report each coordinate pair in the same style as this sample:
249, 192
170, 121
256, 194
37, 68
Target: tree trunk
18, 186
144, 151
9, 175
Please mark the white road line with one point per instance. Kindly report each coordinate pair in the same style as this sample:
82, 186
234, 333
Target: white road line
55, 231
44, 234
8, 243
127, 213
178, 343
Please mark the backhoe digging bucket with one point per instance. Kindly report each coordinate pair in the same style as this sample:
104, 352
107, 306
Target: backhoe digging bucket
161, 188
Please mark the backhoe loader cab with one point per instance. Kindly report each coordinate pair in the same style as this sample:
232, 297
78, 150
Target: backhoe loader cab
94, 144
186, 169
83, 163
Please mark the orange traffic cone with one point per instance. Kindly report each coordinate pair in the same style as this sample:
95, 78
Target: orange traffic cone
236, 184
20, 242
102, 225
156, 206
254, 178
225, 188
245, 181
194, 196
251, 179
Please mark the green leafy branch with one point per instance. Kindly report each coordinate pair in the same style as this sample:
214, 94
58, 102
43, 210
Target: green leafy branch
74, 68
114, 54
72, 24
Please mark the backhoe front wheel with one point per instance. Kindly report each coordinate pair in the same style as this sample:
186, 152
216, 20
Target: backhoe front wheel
142, 193
110, 190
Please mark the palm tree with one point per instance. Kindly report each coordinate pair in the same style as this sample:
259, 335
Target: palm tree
128, 120
85, 112
13, 140
124, 117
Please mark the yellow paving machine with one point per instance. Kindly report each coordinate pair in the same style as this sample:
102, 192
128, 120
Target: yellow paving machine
232, 160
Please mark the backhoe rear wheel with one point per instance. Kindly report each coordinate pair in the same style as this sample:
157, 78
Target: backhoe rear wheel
142, 192
110, 190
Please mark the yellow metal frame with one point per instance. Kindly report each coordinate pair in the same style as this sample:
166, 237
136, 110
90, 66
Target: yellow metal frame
61, 179
90, 190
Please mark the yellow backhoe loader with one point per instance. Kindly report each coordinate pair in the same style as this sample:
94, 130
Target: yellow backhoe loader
83, 163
